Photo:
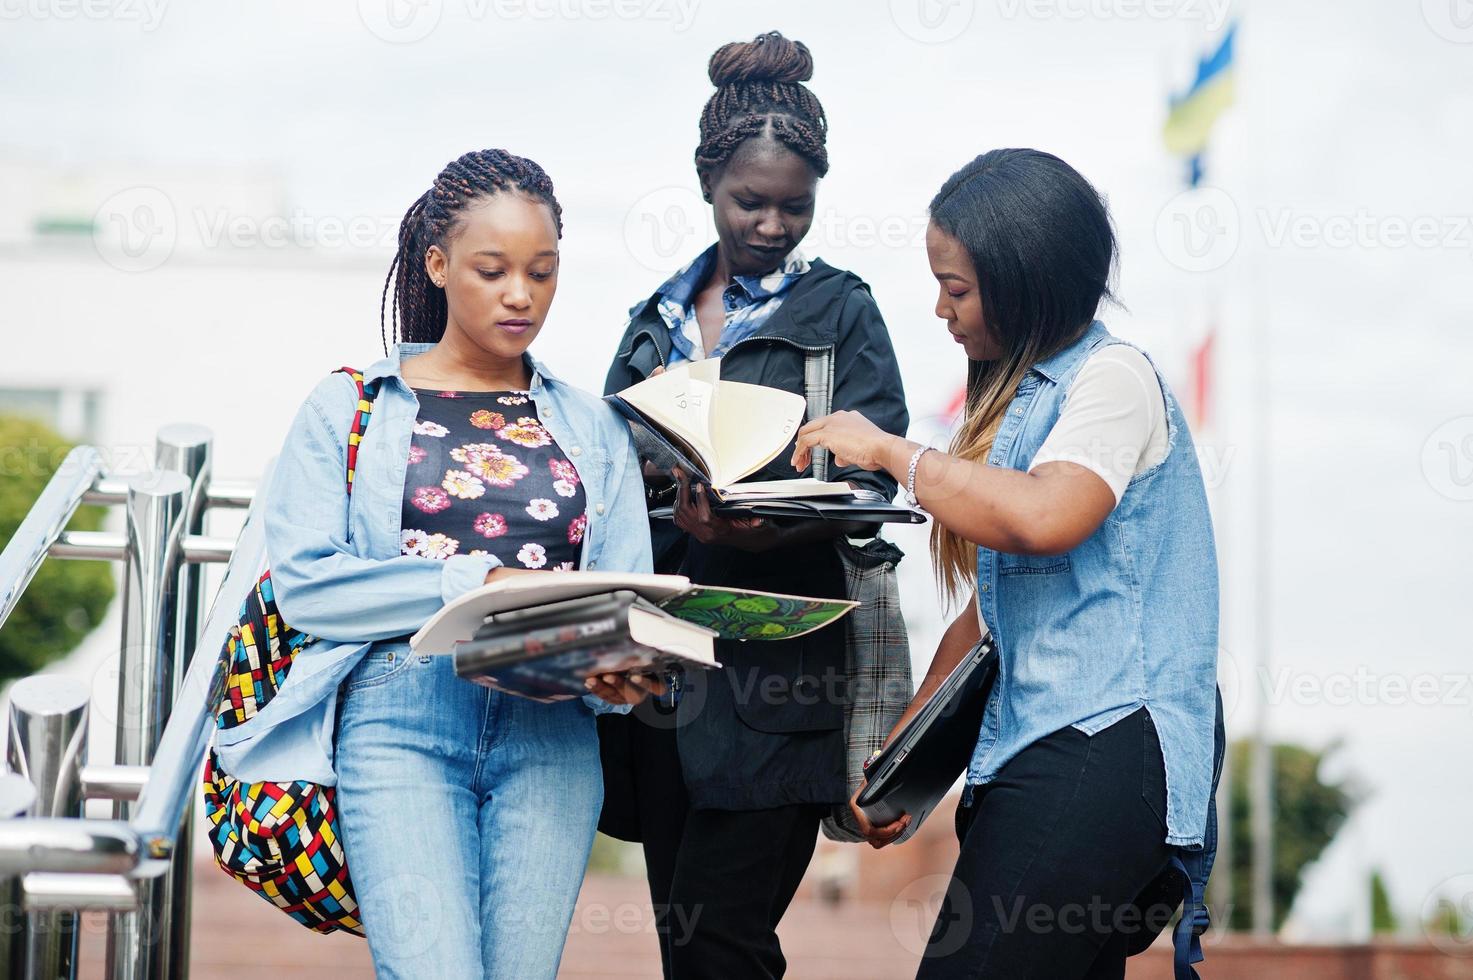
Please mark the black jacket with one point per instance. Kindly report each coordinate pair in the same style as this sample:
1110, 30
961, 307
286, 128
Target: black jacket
767, 729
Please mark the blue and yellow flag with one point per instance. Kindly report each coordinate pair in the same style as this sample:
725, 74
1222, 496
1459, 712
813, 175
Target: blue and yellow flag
1195, 110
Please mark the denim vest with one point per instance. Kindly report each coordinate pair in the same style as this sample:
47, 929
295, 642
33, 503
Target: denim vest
1126, 619
335, 560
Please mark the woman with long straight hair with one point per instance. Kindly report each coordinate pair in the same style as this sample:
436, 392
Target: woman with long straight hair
466, 814
1071, 508
728, 787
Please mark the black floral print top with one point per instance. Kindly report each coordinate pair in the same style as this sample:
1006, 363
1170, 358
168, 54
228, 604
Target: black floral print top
486, 478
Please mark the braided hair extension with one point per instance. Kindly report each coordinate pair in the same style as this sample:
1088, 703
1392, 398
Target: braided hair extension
419, 312
759, 92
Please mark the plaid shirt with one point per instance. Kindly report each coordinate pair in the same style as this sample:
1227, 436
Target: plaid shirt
748, 301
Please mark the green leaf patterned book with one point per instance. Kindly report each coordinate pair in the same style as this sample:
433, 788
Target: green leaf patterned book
744, 614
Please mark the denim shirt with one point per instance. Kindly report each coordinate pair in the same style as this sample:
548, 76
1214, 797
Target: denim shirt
335, 559
1126, 619
748, 302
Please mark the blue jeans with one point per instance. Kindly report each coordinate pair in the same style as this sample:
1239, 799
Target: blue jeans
467, 816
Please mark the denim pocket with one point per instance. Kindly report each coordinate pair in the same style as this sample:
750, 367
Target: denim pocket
1153, 769
377, 667
1032, 564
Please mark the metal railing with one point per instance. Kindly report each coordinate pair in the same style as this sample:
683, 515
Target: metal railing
54, 863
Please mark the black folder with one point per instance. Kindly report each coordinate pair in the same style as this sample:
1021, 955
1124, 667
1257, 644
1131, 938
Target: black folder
832, 508
922, 762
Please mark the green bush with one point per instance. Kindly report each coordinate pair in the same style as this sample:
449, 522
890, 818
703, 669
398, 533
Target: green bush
67, 599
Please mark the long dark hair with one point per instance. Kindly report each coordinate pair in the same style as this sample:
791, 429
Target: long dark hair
1044, 251
759, 92
418, 313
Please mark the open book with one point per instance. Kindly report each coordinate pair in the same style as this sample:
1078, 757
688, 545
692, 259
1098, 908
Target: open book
718, 431
732, 614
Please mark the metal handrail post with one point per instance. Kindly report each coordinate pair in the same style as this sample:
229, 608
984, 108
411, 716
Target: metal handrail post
44, 522
174, 777
17, 799
48, 746
184, 449
152, 621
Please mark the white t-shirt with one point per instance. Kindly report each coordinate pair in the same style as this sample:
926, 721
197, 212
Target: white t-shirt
1113, 422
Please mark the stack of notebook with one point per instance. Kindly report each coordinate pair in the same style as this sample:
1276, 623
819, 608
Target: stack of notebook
542, 635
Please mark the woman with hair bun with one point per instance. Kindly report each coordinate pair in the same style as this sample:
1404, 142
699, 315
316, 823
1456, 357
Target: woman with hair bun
727, 786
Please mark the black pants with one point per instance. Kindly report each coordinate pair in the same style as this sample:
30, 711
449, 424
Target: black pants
1054, 853
720, 880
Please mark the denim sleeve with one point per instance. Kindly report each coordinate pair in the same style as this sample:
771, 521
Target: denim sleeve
321, 586
626, 528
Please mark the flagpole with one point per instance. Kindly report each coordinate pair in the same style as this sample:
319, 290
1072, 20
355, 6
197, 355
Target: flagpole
1186, 133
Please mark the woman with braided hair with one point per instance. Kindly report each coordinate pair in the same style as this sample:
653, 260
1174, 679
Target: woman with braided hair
466, 815
726, 787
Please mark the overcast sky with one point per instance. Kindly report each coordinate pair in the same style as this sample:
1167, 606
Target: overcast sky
1337, 260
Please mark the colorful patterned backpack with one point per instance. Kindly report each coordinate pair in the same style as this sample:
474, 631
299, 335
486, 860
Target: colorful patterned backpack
279, 839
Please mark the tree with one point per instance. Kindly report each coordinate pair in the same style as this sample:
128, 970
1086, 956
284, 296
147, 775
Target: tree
1308, 812
67, 599
1383, 916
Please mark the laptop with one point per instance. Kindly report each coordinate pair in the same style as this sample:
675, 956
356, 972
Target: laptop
922, 762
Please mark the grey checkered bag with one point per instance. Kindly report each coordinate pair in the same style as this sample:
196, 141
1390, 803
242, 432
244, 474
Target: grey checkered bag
877, 656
